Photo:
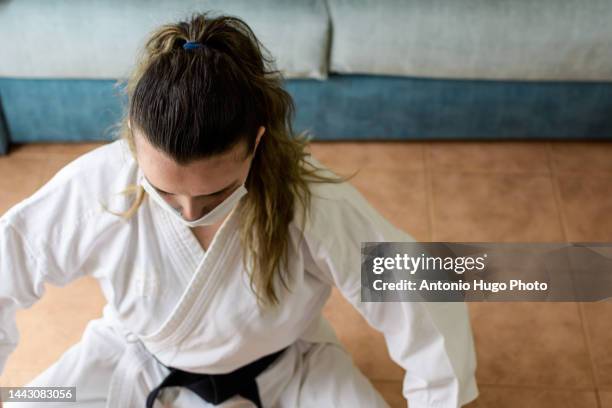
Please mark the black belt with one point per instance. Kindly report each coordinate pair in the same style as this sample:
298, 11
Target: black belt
216, 388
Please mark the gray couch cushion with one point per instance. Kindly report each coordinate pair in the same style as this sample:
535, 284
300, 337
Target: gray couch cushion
100, 38
526, 40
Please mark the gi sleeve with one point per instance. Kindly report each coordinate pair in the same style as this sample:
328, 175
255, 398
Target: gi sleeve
432, 341
23, 272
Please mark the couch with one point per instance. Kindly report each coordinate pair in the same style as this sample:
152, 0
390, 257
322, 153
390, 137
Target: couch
357, 69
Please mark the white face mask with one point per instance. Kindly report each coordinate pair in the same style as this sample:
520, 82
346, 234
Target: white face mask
212, 217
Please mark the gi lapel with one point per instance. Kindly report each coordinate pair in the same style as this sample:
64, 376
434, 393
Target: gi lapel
206, 275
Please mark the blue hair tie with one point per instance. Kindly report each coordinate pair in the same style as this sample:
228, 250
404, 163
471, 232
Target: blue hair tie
192, 45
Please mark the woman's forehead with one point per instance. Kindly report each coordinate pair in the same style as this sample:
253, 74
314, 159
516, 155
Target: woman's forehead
200, 177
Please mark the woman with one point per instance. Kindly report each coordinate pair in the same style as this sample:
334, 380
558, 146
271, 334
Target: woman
218, 257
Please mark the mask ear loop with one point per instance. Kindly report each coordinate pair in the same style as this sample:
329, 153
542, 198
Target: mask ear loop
152, 190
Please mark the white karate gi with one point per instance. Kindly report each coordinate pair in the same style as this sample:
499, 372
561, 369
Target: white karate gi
169, 301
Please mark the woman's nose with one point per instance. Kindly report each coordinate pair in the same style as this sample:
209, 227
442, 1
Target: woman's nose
190, 210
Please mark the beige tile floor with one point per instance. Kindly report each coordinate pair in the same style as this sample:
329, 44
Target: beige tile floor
529, 354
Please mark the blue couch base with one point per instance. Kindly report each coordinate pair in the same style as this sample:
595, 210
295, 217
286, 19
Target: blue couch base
343, 107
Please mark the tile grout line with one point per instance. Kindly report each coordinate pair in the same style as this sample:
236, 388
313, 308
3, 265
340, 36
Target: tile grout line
589, 346
556, 192
598, 397
504, 172
563, 220
429, 201
539, 387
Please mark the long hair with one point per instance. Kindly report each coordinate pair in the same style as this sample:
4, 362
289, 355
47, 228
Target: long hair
193, 104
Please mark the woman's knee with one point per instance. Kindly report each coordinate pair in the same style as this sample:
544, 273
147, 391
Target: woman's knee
330, 378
